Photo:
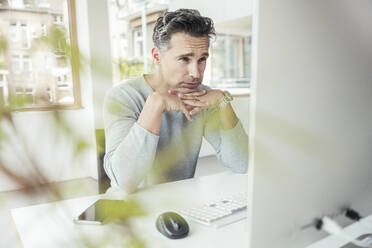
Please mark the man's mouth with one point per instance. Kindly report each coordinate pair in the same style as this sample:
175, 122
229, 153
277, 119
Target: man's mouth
191, 85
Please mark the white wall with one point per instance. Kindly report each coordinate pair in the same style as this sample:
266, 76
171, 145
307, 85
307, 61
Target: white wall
218, 10
52, 152
100, 54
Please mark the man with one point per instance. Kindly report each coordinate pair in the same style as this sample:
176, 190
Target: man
154, 124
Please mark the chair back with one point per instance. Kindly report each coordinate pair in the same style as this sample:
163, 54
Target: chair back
103, 179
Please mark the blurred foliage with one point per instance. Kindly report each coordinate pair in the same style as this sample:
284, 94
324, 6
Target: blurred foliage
3, 48
109, 211
57, 41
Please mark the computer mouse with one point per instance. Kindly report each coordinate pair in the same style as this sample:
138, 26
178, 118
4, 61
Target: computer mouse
172, 225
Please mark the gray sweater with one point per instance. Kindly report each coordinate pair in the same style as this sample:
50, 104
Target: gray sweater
135, 157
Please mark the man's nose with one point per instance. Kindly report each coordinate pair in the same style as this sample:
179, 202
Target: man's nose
194, 71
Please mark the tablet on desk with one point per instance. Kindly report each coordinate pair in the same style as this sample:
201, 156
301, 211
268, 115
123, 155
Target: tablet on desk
101, 211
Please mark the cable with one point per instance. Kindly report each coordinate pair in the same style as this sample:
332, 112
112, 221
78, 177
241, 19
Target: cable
354, 215
332, 227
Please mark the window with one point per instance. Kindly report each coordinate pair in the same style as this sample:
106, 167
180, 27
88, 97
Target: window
43, 29
18, 4
47, 60
230, 61
27, 68
13, 31
138, 44
22, 66
33, 61
63, 81
25, 36
131, 48
16, 64
57, 19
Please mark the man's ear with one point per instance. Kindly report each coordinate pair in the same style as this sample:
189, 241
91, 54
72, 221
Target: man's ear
156, 55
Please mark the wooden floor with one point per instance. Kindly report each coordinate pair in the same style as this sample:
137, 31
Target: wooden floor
70, 189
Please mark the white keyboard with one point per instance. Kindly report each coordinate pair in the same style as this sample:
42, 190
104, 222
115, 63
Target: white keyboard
219, 213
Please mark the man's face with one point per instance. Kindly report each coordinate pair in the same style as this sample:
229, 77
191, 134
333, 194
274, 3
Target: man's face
184, 62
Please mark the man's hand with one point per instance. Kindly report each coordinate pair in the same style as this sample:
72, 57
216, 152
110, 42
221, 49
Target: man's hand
171, 102
184, 91
209, 100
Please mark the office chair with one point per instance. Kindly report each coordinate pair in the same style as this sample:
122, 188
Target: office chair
103, 179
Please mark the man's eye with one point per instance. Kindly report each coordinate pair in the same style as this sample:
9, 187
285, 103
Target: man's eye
202, 60
184, 59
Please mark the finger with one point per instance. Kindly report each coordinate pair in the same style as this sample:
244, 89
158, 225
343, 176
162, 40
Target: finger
196, 93
195, 103
185, 90
186, 97
195, 110
187, 113
189, 108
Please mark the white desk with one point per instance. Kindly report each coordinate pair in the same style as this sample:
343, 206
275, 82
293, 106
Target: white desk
51, 225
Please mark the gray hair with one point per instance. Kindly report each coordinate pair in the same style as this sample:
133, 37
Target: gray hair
187, 21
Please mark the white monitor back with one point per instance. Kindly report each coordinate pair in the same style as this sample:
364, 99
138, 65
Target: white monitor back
311, 116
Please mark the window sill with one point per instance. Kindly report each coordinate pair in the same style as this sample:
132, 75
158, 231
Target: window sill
238, 92
49, 108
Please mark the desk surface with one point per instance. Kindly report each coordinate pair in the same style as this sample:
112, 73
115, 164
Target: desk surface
51, 224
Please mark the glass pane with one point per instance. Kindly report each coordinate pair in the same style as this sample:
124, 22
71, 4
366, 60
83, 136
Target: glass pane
37, 53
230, 61
131, 47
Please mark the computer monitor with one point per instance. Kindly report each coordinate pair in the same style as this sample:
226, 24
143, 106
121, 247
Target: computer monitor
310, 117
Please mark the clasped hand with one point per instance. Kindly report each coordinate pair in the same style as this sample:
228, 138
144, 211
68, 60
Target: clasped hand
195, 100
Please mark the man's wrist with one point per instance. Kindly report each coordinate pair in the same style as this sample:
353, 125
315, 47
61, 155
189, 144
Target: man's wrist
157, 101
225, 100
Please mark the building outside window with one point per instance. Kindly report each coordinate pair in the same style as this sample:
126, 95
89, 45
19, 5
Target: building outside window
131, 47
30, 62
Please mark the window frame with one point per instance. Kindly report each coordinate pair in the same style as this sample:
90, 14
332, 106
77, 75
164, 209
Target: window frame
75, 75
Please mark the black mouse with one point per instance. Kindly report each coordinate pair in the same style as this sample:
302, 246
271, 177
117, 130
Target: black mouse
172, 225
